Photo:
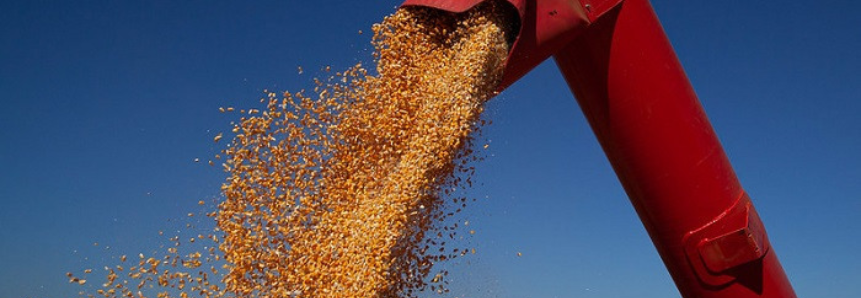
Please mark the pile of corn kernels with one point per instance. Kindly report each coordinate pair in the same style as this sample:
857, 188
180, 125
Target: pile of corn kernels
345, 193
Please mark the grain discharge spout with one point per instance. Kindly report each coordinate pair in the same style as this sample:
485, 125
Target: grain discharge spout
629, 83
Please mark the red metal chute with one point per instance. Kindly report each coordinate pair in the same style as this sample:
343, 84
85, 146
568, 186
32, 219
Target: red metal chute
630, 85
545, 27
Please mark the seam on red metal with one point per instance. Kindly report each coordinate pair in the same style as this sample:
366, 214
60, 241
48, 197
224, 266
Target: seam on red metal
597, 8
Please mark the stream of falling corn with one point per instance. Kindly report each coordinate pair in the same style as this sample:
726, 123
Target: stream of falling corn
344, 193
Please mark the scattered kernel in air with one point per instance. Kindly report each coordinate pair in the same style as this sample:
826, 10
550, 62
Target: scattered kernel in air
345, 193
80, 281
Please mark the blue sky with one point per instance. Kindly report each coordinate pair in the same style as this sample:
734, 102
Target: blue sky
106, 104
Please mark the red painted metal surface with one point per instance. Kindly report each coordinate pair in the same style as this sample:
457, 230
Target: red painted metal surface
447, 5
545, 27
638, 100
618, 62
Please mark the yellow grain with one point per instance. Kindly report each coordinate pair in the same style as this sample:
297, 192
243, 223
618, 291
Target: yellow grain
341, 194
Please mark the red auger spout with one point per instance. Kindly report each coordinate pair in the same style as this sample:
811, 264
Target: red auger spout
629, 83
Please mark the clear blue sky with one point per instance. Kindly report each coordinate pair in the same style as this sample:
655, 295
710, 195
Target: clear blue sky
106, 104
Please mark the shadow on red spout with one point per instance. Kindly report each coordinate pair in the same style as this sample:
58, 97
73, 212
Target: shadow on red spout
545, 26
